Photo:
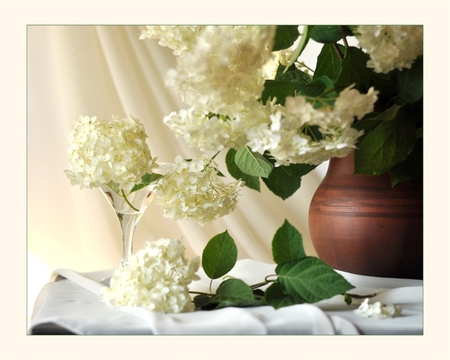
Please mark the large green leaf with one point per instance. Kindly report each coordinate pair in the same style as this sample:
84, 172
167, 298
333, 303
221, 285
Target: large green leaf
310, 279
282, 183
252, 163
285, 36
250, 181
410, 83
411, 168
277, 89
354, 70
385, 146
287, 244
328, 62
219, 255
328, 34
274, 296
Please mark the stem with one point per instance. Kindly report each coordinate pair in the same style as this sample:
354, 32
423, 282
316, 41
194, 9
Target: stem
338, 51
126, 199
262, 283
356, 296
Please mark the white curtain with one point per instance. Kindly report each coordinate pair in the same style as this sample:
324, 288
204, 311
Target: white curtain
106, 71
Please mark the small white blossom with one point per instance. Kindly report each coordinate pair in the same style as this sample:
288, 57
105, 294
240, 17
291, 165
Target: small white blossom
156, 277
192, 190
224, 68
378, 310
290, 138
101, 151
391, 46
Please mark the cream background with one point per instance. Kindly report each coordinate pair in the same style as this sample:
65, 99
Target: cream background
106, 71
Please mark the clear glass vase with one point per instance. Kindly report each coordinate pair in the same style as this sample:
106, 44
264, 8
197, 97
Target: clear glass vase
129, 211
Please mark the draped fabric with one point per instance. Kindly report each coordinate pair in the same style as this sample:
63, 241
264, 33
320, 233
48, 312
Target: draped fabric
107, 71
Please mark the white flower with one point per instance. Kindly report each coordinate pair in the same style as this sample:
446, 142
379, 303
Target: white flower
192, 190
177, 38
102, 151
224, 68
391, 47
299, 133
378, 310
156, 277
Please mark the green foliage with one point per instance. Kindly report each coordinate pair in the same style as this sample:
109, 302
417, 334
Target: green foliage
328, 34
311, 279
285, 36
219, 256
287, 244
250, 181
252, 163
298, 278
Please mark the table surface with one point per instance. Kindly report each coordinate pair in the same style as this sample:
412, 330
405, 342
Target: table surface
69, 304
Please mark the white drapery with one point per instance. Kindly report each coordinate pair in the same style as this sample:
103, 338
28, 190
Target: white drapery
107, 71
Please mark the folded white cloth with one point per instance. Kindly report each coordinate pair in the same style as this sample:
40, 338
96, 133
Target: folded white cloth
74, 305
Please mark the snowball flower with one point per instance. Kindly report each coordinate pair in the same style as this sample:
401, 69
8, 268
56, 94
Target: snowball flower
300, 133
391, 47
377, 310
102, 151
192, 190
157, 278
224, 68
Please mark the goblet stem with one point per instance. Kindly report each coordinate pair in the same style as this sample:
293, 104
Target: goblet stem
129, 210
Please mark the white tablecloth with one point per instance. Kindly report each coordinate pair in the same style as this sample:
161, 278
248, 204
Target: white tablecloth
73, 304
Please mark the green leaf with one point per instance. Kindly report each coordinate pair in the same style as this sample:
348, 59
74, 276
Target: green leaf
410, 83
328, 62
274, 296
147, 179
285, 36
219, 255
277, 89
328, 34
287, 244
282, 183
298, 169
250, 181
311, 279
252, 163
231, 292
387, 145
411, 168
354, 70
292, 75
304, 39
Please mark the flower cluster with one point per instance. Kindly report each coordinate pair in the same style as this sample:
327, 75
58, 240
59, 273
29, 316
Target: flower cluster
222, 72
192, 190
378, 310
102, 151
156, 277
290, 140
391, 47
218, 67
247, 87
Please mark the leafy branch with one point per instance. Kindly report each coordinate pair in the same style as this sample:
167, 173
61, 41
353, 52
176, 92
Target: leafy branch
298, 278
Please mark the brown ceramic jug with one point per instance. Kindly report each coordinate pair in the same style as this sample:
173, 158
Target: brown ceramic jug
360, 224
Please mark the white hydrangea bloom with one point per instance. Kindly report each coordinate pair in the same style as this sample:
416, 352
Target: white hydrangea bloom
224, 68
192, 190
290, 139
156, 277
378, 310
391, 46
212, 133
180, 39
101, 151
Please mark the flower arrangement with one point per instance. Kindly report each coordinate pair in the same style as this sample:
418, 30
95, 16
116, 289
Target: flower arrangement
115, 153
249, 93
